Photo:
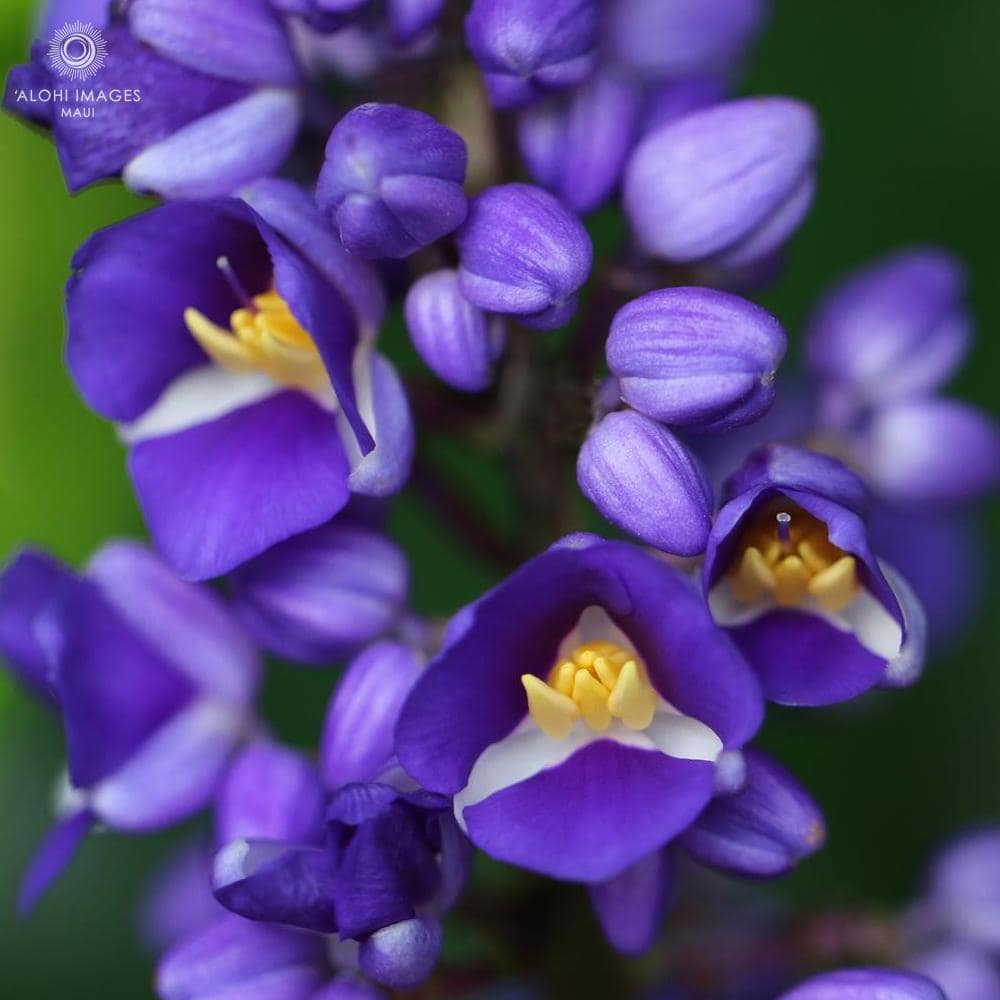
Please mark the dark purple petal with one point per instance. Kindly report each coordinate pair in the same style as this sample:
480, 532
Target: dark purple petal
349, 986
220, 152
277, 883
56, 13
131, 284
392, 180
896, 328
357, 741
764, 829
188, 625
567, 821
865, 984
677, 98
522, 252
471, 695
577, 146
235, 958
456, 340
235, 39
52, 857
322, 594
674, 38
930, 453
114, 688
701, 186
269, 793
642, 479
29, 589
256, 477
801, 659
696, 357
527, 47
631, 906
401, 956
290, 210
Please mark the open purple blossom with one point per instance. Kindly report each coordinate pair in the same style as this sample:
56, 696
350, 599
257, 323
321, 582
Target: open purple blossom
250, 396
790, 572
392, 180
216, 98
527, 48
523, 254
154, 682
724, 186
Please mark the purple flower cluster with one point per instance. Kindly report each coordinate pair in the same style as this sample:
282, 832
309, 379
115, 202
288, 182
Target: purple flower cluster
591, 717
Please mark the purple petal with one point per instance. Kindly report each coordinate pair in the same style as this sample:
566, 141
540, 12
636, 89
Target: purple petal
178, 901
602, 789
269, 793
401, 956
631, 906
277, 883
577, 147
29, 587
235, 39
256, 477
290, 210
456, 340
962, 971
471, 695
658, 39
764, 829
348, 986
894, 329
235, 958
188, 625
931, 453
52, 857
703, 184
131, 284
696, 357
864, 984
357, 741
410, 18
56, 13
322, 594
964, 887
220, 152
677, 98
522, 252
642, 479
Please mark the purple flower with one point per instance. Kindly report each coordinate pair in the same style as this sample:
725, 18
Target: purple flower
676, 38
642, 479
322, 594
322, 15
895, 329
457, 340
233, 363
790, 571
865, 984
695, 357
154, 682
523, 254
214, 99
677, 98
392, 180
576, 146
577, 711
726, 185
526, 48
963, 972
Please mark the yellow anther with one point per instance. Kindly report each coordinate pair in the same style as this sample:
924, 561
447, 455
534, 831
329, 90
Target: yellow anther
837, 585
592, 697
266, 338
633, 699
562, 678
554, 712
754, 578
791, 580
606, 668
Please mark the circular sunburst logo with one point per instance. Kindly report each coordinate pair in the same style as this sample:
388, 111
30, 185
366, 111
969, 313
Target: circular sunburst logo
77, 50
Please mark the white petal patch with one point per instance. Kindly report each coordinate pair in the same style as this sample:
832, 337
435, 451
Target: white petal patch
866, 618
197, 397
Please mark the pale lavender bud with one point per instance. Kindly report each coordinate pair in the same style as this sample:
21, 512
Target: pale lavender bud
402, 955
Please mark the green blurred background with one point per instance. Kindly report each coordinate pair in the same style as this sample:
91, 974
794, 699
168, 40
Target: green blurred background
907, 94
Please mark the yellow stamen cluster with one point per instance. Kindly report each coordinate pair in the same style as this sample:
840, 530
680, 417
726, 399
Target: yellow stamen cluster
598, 682
786, 554
264, 338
